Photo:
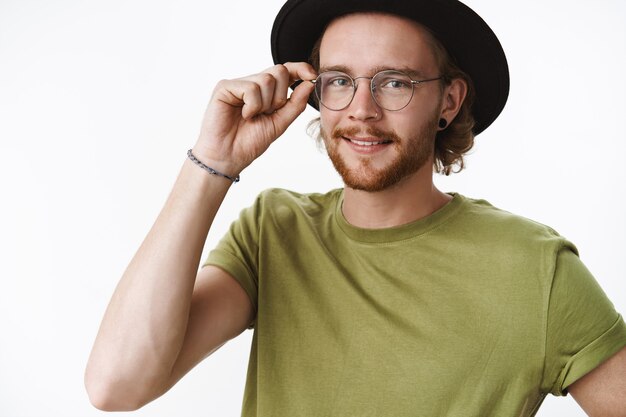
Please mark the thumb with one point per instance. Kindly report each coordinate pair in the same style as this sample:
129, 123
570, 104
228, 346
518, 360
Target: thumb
295, 105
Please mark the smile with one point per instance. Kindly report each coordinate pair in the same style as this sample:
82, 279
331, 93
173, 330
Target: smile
367, 143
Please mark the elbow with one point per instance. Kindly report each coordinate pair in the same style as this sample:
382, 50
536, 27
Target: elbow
105, 400
104, 403
108, 395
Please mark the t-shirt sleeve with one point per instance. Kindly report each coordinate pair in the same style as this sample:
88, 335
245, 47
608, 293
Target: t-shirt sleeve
237, 253
583, 328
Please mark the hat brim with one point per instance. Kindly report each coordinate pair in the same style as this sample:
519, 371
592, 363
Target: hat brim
464, 34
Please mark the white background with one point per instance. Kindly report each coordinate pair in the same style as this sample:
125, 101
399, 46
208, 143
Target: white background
99, 102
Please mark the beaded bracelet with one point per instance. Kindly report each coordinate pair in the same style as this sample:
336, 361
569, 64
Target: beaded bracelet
209, 169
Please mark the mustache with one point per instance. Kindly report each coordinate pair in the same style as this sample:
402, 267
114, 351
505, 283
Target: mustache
340, 132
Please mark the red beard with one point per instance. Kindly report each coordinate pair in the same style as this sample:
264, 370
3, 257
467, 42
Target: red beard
411, 155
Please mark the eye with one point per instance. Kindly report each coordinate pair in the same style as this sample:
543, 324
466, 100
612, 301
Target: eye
339, 81
392, 83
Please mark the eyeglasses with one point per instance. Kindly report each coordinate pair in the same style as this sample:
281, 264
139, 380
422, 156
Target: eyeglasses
392, 90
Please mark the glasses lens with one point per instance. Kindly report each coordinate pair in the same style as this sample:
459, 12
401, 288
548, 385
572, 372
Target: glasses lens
392, 90
334, 89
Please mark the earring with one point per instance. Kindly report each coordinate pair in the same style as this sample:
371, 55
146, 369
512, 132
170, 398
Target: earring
443, 123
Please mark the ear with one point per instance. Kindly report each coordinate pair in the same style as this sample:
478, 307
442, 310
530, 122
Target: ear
453, 97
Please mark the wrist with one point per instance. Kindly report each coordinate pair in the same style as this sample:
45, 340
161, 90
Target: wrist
217, 156
215, 167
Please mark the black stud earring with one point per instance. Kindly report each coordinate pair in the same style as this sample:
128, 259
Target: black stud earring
443, 123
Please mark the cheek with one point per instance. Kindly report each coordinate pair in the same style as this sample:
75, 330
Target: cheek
323, 133
419, 115
329, 119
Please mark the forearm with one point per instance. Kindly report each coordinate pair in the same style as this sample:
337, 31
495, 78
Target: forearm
145, 323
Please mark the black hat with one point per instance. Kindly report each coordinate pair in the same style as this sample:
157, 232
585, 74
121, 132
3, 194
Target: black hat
464, 34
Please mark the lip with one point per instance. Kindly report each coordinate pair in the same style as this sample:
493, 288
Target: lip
365, 149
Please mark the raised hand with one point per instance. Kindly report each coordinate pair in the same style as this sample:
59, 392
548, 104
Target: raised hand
246, 115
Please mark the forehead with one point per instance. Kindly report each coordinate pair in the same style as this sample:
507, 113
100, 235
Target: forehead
373, 40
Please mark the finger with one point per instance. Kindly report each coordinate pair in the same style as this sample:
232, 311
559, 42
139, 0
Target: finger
241, 93
281, 88
252, 100
254, 94
265, 92
295, 105
267, 84
300, 71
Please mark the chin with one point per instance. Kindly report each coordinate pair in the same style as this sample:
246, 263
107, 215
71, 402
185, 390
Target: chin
408, 155
374, 180
363, 176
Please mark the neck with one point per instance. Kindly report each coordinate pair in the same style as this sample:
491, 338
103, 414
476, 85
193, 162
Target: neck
411, 199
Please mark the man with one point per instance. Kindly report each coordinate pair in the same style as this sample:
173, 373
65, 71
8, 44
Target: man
388, 297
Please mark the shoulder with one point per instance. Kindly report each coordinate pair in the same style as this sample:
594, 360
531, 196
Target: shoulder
494, 220
279, 200
489, 223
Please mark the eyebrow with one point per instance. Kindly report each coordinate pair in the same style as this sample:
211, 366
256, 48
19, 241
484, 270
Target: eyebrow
413, 73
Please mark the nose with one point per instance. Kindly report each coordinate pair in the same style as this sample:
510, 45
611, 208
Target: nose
363, 106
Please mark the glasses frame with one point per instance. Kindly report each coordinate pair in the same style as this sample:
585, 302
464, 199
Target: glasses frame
354, 87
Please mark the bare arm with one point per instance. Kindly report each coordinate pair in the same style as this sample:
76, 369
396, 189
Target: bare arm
602, 392
164, 316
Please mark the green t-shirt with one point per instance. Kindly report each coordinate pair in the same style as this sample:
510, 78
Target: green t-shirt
471, 311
